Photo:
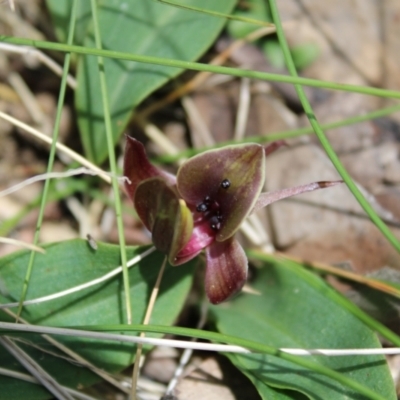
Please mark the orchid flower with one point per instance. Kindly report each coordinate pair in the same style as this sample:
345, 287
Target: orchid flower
203, 206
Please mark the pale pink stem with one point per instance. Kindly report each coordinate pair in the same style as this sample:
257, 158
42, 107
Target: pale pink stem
270, 148
270, 197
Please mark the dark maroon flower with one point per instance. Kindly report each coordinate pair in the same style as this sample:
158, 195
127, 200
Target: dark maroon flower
203, 206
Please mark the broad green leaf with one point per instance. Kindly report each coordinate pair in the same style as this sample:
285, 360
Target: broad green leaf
143, 27
292, 311
60, 11
66, 265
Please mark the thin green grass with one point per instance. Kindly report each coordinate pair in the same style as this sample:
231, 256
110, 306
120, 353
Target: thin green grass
195, 66
113, 165
292, 133
218, 14
52, 154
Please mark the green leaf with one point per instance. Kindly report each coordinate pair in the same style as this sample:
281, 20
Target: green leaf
304, 54
256, 9
142, 27
273, 52
71, 263
60, 11
293, 311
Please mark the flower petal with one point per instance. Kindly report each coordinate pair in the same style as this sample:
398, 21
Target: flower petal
226, 270
202, 237
165, 215
137, 167
270, 197
242, 166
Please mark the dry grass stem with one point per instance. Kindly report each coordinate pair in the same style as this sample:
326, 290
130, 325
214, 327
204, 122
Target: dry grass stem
146, 320
60, 147
20, 243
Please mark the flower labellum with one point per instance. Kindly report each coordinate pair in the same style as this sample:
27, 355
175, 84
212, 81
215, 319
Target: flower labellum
203, 207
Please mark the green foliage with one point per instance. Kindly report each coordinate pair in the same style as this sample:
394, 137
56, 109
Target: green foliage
60, 11
303, 55
140, 27
273, 52
255, 9
294, 311
72, 263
